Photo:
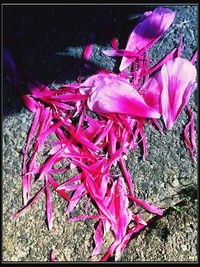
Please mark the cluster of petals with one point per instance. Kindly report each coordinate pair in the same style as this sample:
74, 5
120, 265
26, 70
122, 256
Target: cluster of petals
97, 122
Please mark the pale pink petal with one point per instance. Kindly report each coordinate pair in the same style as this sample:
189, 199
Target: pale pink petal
177, 81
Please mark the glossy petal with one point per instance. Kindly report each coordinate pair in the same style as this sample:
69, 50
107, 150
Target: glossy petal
147, 32
177, 81
112, 94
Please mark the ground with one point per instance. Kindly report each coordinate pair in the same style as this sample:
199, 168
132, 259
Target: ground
51, 46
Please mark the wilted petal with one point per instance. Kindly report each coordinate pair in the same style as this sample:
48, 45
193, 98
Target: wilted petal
148, 31
177, 81
112, 94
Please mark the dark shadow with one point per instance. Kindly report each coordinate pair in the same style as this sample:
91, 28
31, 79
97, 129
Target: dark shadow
190, 191
37, 36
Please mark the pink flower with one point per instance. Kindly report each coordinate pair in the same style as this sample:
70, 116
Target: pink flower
176, 81
147, 32
110, 93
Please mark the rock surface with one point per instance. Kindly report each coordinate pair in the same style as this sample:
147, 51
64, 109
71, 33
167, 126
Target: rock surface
54, 38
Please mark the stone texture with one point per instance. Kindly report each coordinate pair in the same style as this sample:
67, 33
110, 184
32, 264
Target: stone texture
54, 40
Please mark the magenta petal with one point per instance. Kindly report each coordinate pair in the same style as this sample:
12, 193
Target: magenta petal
147, 206
177, 81
30, 103
76, 197
190, 144
147, 32
110, 251
26, 208
55, 184
112, 94
98, 239
151, 94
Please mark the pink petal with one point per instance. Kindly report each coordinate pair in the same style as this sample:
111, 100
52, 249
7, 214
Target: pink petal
26, 208
194, 58
122, 213
190, 144
110, 251
147, 206
76, 197
180, 48
55, 186
157, 125
48, 205
120, 248
87, 52
30, 103
150, 91
88, 48
114, 43
138, 219
53, 255
68, 187
127, 176
114, 95
147, 32
177, 81
121, 53
104, 132
98, 239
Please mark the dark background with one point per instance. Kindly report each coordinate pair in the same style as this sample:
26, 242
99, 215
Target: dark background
36, 34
